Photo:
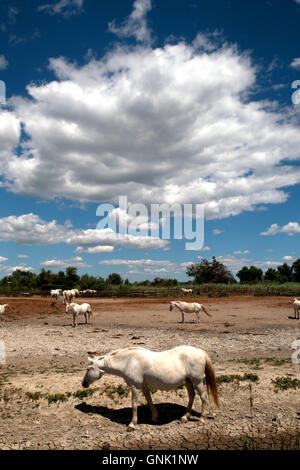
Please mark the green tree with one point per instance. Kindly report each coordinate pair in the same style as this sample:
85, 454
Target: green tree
114, 279
296, 270
250, 275
210, 271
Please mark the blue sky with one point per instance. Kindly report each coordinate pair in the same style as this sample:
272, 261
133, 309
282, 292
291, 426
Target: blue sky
182, 102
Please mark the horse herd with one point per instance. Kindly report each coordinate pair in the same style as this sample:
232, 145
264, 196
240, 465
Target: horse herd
144, 370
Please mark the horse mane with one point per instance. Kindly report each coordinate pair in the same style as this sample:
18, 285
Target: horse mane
117, 351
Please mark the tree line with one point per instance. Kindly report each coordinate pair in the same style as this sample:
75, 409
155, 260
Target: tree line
203, 272
46, 280
216, 272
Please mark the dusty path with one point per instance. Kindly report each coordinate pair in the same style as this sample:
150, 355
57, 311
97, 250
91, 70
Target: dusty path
42, 405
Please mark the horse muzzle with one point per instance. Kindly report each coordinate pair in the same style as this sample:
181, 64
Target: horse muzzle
85, 384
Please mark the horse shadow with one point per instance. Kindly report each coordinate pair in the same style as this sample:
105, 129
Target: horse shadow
167, 412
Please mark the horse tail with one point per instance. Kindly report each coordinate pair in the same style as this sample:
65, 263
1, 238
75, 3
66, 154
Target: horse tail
205, 311
211, 383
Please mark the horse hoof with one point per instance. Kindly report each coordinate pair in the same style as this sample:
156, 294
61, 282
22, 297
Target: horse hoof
130, 428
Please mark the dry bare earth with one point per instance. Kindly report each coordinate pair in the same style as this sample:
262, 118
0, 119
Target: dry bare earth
46, 360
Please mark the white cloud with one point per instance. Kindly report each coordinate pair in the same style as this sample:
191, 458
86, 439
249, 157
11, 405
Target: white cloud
22, 256
135, 24
2, 258
296, 63
205, 248
149, 122
30, 229
21, 267
289, 229
76, 261
3, 62
241, 252
65, 7
95, 249
216, 231
288, 258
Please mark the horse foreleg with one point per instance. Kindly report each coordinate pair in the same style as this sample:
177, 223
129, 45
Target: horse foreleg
135, 396
182, 313
191, 392
148, 397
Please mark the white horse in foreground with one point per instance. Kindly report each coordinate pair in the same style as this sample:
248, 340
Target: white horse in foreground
186, 307
167, 370
79, 309
296, 305
2, 310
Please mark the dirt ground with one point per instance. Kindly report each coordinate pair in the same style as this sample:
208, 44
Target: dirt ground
43, 406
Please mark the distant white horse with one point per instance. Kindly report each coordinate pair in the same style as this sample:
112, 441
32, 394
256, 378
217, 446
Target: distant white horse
186, 291
143, 369
79, 309
2, 310
296, 305
69, 295
186, 307
55, 293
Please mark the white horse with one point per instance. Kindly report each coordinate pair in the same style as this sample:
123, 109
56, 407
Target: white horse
296, 305
143, 369
55, 293
76, 310
186, 291
2, 310
69, 295
186, 307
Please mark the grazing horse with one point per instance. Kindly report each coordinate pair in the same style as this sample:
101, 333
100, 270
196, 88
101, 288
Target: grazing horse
166, 370
76, 310
186, 307
296, 305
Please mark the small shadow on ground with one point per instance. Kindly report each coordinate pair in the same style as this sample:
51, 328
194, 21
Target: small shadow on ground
293, 318
167, 413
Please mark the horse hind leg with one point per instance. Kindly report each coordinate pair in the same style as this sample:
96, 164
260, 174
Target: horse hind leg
191, 393
199, 387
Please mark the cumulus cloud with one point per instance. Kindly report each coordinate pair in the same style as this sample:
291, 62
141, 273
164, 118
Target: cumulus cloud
216, 231
288, 258
2, 258
75, 261
296, 63
135, 24
21, 267
173, 124
3, 62
64, 7
289, 229
30, 229
147, 266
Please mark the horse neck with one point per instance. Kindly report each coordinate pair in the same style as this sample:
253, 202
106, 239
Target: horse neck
115, 365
